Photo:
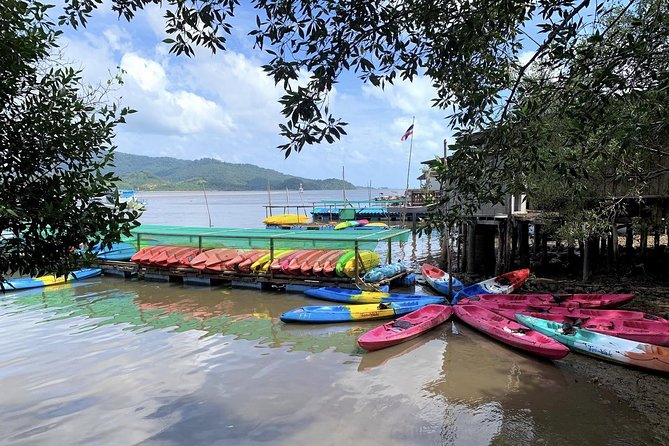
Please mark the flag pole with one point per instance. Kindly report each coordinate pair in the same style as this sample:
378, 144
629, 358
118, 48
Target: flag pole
406, 192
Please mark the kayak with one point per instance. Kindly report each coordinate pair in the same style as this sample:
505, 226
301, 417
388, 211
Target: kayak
250, 259
351, 296
144, 254
346, 224
503, 284
439, 280
347, 313
564, 300
220, 258
208, 260
510, 310
118, 251
275, 267
384, 272
262, 264
647, 331
510, 332
305, 260
330, 266
366, 261
182, 258
25, 283
286, 219
610, 348
405, 328
171, 256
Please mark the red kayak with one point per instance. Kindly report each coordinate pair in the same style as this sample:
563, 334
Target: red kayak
319, 264
503, 284
220, 258
212, 257
245, 265
182, 258
242, 257
170, 257
307, 266
275, 267
144, 254
563, 300
405, 328
306, 258
510, 332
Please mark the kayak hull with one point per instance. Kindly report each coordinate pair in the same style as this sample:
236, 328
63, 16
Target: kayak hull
26, 283
350, 296
406, 327
510, 332
439, 280
346, 313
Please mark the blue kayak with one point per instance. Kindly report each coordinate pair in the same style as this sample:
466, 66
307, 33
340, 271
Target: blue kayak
118, 251
25, 283
346, 313
384, 272
440, 281
503, 284
351, 296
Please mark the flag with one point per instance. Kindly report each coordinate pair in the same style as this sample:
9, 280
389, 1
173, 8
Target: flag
408, 133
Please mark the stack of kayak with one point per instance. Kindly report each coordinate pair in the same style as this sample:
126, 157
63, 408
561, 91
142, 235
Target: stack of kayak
384, 272
303, 262
25, 283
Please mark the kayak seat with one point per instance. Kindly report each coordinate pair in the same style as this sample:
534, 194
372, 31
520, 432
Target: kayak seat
503, 281
402, 324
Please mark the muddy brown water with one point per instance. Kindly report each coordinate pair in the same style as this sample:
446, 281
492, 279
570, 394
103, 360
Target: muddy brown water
114, 361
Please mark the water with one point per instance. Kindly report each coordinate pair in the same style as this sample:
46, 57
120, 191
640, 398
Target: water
113, 361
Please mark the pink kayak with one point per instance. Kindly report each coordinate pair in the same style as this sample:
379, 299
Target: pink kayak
509, 310
405, 328
564, 300
181, 258
510, 332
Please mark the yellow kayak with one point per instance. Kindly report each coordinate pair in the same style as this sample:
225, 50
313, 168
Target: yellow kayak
369, 259
262, 264
286, 219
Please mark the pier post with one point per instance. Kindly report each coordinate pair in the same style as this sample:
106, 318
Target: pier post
524, 244
471, 245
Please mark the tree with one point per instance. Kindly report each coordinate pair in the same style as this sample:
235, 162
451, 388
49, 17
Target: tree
55, 139
597, 73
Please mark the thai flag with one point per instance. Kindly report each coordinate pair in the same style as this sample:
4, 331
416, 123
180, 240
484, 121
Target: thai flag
408, 133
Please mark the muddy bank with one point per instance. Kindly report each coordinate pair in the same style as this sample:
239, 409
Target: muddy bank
647, 393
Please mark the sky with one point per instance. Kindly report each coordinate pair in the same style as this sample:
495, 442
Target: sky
223, 106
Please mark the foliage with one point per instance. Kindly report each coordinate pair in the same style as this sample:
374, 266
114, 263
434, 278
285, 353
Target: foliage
165, 173
55, 139
597, 80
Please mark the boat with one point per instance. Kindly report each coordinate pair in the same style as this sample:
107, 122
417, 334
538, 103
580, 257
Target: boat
329, 256
352, 296
305, 260
330, 266
173, 257
510, 310
118, 251
346, 313
144, 254
252, 257
220, 258
365, 261
384, 272
602, 346
262, 264
641, 330
565, 300
510, 332
405, 328
503, 284
286, 219
439, 280
25, 283
346, 224
210, 258
275, 266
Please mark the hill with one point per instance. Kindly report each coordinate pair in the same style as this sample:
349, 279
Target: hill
166, 173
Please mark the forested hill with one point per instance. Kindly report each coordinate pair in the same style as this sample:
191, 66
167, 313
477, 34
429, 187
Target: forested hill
164, 173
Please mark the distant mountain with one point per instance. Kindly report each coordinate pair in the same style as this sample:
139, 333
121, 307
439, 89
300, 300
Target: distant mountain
165, 173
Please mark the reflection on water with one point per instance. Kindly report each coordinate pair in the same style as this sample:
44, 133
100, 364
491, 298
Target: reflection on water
126, 362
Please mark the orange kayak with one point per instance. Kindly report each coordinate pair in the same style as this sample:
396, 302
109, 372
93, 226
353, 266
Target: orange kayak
232, 264
245, 265
276, 265
305, 261
144, 254
217, 260
330, 256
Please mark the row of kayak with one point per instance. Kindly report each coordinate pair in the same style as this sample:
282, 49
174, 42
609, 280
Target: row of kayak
294, 262
544, 325
24, 283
